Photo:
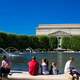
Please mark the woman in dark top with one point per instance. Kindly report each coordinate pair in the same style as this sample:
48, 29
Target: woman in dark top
54, 70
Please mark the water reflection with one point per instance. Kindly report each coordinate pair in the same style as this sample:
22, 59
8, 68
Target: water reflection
20, 62
59, 61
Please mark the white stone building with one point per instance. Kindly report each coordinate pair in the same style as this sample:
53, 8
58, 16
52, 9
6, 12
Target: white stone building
58, 30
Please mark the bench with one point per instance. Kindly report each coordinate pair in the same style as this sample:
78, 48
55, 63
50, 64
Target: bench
27, 76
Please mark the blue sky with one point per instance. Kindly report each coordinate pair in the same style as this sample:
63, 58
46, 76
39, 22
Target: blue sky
23, 16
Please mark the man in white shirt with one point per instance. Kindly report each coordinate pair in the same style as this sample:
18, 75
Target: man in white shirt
70, 68
69, 65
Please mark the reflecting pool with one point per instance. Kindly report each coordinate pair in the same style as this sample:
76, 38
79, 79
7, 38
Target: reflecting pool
20, 62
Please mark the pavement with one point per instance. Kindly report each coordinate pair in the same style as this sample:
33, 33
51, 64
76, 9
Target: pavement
26, 76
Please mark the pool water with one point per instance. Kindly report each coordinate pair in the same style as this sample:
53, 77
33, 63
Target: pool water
20, 62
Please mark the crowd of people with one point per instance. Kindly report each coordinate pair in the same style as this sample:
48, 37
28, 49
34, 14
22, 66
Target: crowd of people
43, 68
69, 68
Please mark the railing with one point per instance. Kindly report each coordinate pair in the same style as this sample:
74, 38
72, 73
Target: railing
4, 52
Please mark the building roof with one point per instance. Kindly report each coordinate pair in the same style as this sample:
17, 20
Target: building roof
59, 26
59, 33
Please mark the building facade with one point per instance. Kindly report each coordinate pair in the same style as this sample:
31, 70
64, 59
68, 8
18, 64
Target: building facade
58, 30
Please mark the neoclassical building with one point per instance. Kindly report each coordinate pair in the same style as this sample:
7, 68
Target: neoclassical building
58, 30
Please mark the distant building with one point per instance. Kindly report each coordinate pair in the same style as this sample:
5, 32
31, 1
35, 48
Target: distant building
58, 30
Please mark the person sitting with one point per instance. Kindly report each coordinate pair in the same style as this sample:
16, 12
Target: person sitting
53, 69
33, 66
44, 67
71, 69
5, 67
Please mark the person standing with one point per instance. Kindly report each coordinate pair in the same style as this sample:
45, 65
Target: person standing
33, 66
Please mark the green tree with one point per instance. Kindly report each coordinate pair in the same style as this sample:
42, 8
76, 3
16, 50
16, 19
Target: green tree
3, 40
75, 43
72, 42
53, 42
35, 42
66, 42
43, 42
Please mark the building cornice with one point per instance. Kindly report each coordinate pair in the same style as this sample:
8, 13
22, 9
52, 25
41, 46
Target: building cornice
59, 26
